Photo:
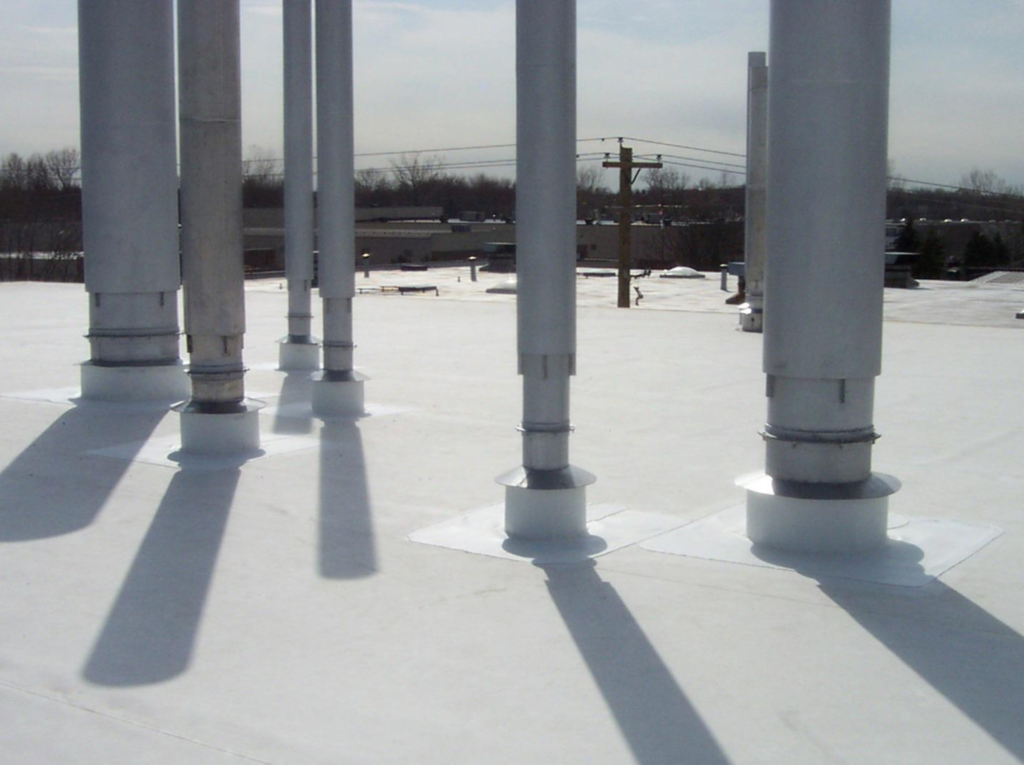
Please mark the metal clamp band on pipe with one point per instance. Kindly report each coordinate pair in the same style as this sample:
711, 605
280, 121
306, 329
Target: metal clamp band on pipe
820, 436
136, 363
545, 427
95, 332
218, 375
543, 366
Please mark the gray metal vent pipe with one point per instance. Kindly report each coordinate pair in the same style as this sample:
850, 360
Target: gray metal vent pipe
828, 121
751, 313
298, 351
129, 199
545, 498
211, 199
211, 214
338, 389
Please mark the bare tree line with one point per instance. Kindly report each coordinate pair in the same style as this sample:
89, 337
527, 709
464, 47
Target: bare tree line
418, 180
40, 216
40, 206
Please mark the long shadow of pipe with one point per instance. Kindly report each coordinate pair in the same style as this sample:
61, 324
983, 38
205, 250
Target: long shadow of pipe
965, 653
347, 543
652, 711
151, 629
48, 489
294, 413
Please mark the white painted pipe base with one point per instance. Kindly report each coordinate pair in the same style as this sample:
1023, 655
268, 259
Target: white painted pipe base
338, 398
751, 319
819, 518
546, 505
545, 514
217, 434
164, 382
298, 356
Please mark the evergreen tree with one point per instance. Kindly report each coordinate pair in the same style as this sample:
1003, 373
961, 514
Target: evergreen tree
1000, 251
931, 264
979, 253
908, 240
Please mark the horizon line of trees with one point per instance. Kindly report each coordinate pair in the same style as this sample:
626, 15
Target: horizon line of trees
44, 188
48, 184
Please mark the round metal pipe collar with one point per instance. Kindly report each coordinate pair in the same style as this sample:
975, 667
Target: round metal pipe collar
818, 462
546, 504
338, 357
858, 436
819, 518
209, 430
338, 394
134, 351
217, 387
299, 354
546, 450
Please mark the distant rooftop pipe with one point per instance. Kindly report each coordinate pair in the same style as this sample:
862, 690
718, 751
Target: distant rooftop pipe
338, 389
752, 312
299, 351
827, 140
129, 200
546, 497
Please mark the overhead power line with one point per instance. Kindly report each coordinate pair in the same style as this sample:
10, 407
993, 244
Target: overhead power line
985, 192
435, 151
696, 163
413, 152
681, 146
457, 148
444, 166
696, 159
704, 167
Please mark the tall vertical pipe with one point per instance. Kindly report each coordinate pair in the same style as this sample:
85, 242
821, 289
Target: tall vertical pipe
129, 199
211, 214
338, 389
828, 124
545, 498
298, 351
751, 313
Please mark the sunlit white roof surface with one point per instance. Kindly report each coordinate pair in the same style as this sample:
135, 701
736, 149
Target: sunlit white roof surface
277, 612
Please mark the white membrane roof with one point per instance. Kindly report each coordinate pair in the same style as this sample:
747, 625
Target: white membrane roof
276, 611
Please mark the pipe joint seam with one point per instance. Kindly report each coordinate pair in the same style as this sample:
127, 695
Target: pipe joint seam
545, 428
835, 437
166, 361
547, 365
128, 333
211, 375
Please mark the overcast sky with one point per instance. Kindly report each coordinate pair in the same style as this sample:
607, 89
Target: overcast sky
440, 73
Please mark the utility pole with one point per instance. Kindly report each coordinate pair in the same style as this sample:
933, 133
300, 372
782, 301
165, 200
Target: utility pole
626, 166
